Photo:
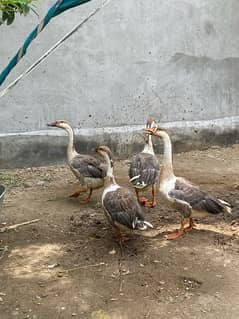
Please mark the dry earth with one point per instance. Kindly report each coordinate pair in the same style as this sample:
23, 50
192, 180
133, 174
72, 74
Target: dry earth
67, 265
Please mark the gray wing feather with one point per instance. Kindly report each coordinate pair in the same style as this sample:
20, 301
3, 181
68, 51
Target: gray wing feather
88, 166
146, 167
196, 198
123, 207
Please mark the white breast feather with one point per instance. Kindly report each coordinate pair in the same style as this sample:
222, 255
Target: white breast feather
109, 189
148, 151
167, 186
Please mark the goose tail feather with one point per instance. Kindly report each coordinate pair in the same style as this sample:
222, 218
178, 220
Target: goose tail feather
226, 206
141, 224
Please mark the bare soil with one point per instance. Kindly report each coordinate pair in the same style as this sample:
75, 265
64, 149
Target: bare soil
68, 265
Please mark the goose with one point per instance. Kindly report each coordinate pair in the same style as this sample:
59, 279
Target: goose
186, 197
120, 205
89, 170
144, 169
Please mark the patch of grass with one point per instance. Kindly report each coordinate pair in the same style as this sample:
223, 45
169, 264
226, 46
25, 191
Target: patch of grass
10, 180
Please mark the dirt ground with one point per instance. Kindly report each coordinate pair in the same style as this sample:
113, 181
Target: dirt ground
68, 265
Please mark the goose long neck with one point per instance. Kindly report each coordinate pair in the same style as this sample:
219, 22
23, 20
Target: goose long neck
167, 165
148, 148
110, 168
71, 152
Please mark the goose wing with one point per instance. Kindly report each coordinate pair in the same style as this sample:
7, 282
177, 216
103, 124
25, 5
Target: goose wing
123, 207
144, 170
88, 166
193, 197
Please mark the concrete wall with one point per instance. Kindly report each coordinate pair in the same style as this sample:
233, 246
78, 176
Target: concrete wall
172, 59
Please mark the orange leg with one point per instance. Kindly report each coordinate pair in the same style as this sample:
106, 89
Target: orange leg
142, 200
178, 233
87, 199
77, 193
154, 192
149, 204
190, 226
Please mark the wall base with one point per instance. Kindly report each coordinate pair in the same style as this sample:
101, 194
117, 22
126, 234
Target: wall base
49, 147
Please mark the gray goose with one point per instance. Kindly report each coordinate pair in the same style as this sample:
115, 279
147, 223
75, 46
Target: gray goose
89, 170
120, 204
144, 170
186, 197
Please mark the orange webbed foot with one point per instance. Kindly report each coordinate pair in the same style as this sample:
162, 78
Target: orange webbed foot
188, 228
74, 195
149, 204
142, 200
123, 239
174, 235
77, 193
118, 235
191, 226
85, 200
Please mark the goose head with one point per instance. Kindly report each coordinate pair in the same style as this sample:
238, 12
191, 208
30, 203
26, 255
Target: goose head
151, 123
156, 131
60, 123
105, 152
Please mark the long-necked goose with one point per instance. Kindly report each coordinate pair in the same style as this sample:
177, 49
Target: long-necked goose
183, 195
120, 204
88, 169
144, 169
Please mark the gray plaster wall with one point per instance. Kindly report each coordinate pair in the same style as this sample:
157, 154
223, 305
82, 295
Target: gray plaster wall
172, 59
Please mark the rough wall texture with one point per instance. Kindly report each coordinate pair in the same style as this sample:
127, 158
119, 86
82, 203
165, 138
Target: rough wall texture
175, 60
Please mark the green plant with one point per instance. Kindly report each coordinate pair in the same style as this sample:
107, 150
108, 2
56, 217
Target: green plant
9, 8
10, 180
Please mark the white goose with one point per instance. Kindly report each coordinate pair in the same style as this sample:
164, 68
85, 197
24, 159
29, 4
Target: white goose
120, 204
88, 169
183, 195
144, 169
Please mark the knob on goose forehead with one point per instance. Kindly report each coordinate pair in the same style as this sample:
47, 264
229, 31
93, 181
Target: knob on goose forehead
151, 122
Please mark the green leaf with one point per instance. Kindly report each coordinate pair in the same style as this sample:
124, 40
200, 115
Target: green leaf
4, 15
8, 9
11, 18
25, 9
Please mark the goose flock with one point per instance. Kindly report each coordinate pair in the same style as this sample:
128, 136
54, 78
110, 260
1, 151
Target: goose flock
123, 208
